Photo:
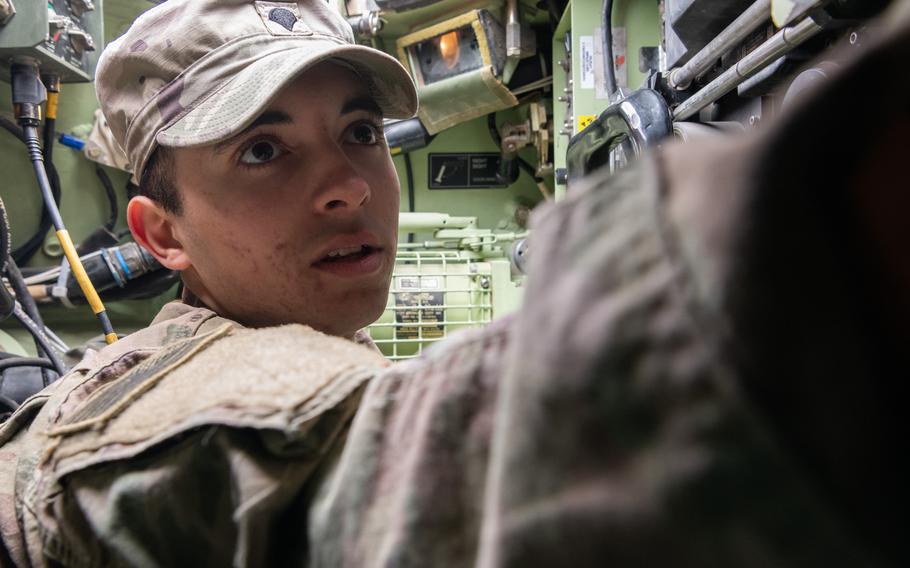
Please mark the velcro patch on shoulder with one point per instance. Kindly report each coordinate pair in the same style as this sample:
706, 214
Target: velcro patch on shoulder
269, 379
113, 398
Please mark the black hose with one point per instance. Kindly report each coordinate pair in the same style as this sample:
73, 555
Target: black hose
40, 337
26, 362
409, 173
111, 197
609, 70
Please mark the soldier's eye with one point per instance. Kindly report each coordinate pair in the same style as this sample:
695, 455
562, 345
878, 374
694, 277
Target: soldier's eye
260, 152
364, 133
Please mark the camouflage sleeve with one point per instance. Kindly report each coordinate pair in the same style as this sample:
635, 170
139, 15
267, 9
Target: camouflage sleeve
408, 487
597, 427
201, 455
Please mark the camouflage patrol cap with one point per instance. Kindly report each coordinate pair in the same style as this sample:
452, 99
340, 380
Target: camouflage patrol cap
194, 72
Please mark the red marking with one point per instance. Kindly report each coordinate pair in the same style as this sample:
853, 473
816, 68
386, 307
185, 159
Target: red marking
56, 36
620, 60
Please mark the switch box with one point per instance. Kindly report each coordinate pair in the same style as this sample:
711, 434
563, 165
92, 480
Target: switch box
64, 36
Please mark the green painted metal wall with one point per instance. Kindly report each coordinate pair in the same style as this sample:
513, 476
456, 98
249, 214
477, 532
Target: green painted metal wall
641, 21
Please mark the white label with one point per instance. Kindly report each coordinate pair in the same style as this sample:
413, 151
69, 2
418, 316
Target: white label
586, 50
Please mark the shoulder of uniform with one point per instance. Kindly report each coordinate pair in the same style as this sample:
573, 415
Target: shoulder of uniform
274, 378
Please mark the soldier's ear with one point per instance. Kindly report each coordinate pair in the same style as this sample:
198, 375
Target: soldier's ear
153, 229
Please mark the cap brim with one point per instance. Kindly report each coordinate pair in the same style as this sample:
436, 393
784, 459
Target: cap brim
230, 109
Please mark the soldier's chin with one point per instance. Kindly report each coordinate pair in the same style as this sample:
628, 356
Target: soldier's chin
354, 314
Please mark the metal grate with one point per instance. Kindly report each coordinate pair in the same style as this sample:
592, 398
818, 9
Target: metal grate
433, 294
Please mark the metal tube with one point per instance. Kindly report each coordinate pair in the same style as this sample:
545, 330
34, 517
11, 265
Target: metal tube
782, 42
747, 22
512, 12
412, 222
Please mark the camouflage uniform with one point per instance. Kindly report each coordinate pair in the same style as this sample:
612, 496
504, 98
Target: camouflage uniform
80, 480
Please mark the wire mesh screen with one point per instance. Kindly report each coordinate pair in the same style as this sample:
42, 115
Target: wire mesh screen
433, 294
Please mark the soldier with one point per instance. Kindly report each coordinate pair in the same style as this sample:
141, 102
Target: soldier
706, 373
255, 132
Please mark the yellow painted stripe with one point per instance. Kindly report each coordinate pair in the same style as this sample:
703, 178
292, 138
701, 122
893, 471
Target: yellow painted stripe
110, 338
79, 271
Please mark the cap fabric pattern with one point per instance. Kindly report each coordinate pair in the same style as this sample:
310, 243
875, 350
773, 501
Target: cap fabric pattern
194, 72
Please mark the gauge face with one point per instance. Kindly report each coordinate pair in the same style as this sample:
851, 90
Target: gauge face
447, 55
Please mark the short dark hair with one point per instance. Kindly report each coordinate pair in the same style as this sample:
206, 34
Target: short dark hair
157, 181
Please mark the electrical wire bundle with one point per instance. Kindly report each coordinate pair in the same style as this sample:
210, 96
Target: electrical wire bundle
122, 270
28, 92
48, 363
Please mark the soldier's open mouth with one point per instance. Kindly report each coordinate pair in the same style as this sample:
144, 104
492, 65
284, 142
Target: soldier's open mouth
348, 254
351, 261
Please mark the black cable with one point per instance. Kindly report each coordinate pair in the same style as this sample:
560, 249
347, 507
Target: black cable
12, 128
24, 252
27, 250
26, 362
38, 334
7, 302
24, 299
497, 139
528, 168
4, 236
409, 173
609, 71
47, 141
494, 131
553, 11
111, 197
19, 286
9, 403
37, 158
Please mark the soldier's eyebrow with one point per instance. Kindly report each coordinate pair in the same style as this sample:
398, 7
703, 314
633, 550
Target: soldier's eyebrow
363, 103
264, 119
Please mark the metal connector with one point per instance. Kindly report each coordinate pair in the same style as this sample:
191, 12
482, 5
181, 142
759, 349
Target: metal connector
28, 92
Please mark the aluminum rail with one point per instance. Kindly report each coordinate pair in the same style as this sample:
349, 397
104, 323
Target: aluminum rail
747, 22
782, 42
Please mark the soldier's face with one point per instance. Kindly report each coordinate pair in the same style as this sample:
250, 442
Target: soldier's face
295, 220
